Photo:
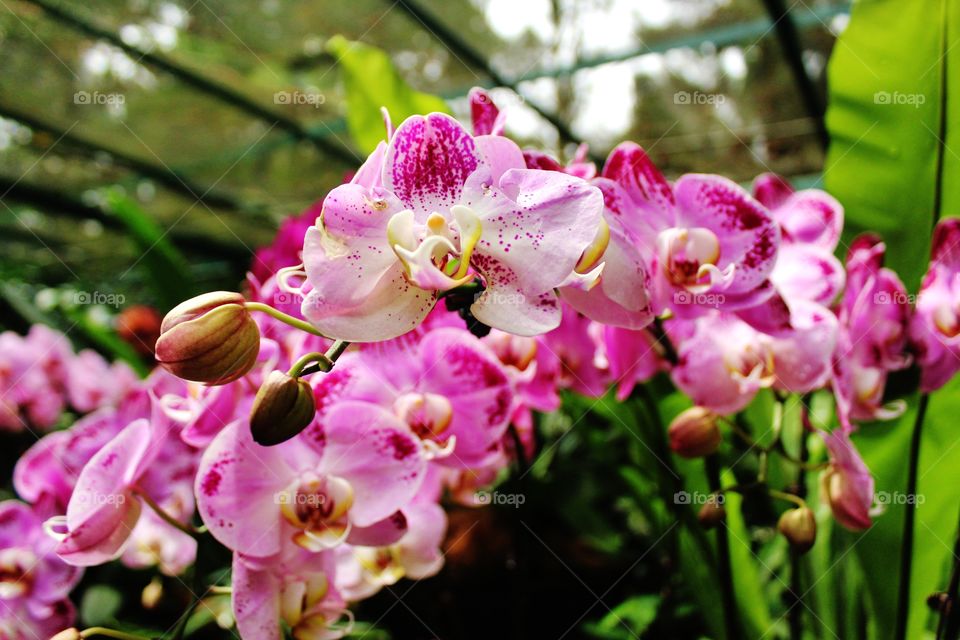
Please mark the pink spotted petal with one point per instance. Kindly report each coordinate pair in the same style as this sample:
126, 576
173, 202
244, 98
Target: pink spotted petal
633, 357
428, 162
808, 272
392, 308
621, 298
237, 484
771, 190
771, 317
380, 534
487, 118
749, 237
811, 217
462, 369
499, 155
631, 167
377, 454
352, 240
803, 359
945, 250
370, 173
256, 600
419, 551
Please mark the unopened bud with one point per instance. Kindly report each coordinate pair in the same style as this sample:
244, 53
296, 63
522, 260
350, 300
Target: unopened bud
68, 634
694, 433
152, 593
712, 513
799, 527
284, 406
211, 338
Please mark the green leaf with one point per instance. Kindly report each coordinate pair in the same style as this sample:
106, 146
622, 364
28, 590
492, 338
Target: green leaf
371, 81
167, 268
100, 605
894, 84
890, 75
628, 619
744, 562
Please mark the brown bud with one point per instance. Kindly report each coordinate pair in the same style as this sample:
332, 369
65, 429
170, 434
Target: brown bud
694, 433
799, 527
712, 512
211, 338
284, 406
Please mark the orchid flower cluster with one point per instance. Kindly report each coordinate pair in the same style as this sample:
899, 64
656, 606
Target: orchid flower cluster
394, 345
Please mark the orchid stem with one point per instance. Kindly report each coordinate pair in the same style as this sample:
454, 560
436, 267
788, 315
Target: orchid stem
166, 517
724, 565
321, 362
303, 325
110, 633
909, 517
795, 613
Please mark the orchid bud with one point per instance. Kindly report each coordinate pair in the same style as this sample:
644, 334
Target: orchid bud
712, 512
68, 634
849, 500
211, 338
284, 406
799, 527
694, 433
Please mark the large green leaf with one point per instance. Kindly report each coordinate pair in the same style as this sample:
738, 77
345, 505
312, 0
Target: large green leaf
894, 88
371, 81
889, 77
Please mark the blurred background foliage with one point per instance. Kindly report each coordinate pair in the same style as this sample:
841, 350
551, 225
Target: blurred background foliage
189, 129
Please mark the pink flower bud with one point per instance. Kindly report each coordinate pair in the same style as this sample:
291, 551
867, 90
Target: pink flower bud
284, 406
849, 499
694, 433
799, 527
210, 338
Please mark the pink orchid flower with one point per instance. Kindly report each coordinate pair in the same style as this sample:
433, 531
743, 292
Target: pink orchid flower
35, 583
847, 485
701, 243
935, 326
723, 362
448, 388
146, 457
810, 223
345, 482
874, 315
632, 356
534, 371
295, 587
441, 208
363, 571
